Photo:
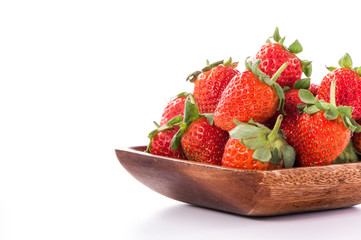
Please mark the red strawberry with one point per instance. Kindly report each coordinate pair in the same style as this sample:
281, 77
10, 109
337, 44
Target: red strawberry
249, 95
274, 55
160, 139
204, 142
254, 146
314, 89
292, 116
210, 83
174, 108
201, 141
348, 86
323, 131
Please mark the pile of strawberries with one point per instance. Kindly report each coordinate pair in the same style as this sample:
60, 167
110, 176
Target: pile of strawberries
266, 117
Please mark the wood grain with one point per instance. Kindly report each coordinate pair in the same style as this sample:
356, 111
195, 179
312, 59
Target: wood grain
246, 192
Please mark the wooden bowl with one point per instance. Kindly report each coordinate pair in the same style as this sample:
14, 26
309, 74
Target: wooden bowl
246, 192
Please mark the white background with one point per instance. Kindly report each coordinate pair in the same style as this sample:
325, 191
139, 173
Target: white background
82, 78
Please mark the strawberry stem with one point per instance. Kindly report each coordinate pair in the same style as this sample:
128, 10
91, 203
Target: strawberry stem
274, 132
333, 93
156, 124
279, 71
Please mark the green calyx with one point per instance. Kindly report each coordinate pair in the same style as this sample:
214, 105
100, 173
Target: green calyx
253, 66
331, 111
294, 48
348, 155
346, 62
193, 76
191, 113
303, 83
269, 145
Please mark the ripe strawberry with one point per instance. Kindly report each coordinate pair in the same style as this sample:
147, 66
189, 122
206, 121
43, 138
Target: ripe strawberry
292, 116
174, 108
323, 131
274, 55
348, 86
200, 139
254, 146
314, 89
160, 139
210, 83
249, 95
204, 142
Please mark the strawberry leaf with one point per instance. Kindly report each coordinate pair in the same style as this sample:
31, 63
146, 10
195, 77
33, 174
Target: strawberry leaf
331, 68
289, 156
331, 113
348, 155
307, 70
322, 105
281, 96
295, 47
276, 35
275, 158
312, 109
285, 89
281, 41
346, 61
177, 120
245, 131
191, 111
212, 65
254, 143
302, 84
209, 117
262, 154
306, 96
176, 140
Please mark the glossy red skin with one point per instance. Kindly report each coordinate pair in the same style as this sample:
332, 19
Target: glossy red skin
246, 98
319, 141
203, 142
273, 56
174, 108
290, 120
292, 116
161, 144
314, 89
236, 155
348, 89
209, 86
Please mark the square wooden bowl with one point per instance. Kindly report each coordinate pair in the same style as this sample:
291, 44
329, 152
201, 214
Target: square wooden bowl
246, 192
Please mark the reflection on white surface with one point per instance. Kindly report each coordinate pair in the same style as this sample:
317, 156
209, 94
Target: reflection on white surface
189, 222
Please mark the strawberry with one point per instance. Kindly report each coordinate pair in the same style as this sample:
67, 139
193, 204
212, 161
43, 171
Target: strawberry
292, 116
249, 95
174, 108
254, 146
211, 82
314, 89
204, 142
200, 139
160, 139
323, 130
348, 86
274, 55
